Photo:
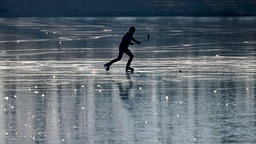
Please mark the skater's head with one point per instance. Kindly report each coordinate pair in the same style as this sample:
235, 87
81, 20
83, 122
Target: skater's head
132, 29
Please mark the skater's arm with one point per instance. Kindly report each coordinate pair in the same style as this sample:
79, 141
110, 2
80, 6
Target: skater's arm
133, 39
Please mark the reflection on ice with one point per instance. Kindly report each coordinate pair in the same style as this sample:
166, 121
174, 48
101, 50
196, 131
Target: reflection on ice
187, 88
76, 101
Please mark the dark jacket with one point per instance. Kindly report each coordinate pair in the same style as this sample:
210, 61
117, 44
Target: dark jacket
127, 40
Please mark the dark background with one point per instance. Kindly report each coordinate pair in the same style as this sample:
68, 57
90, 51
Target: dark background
67, 8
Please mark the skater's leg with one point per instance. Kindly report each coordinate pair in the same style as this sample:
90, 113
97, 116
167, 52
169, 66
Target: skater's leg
107, 65
130, 54
120, 55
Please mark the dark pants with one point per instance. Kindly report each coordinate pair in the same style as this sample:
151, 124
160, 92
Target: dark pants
120, 55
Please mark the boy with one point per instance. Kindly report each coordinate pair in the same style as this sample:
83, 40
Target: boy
123, 48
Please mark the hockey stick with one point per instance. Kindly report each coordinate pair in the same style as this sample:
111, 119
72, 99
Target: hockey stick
146, 40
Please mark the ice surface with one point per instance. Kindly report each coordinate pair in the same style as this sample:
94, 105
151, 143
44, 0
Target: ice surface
194, 81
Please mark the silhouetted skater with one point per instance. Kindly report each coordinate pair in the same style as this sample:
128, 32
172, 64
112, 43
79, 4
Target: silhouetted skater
123, 48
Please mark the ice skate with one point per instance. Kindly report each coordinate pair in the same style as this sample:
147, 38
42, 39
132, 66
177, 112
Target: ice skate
106, 66
127, 69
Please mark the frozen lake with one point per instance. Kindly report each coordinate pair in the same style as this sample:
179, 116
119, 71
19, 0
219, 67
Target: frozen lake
54, 89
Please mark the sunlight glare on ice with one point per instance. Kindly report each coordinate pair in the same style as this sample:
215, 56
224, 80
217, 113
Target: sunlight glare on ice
6, 98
